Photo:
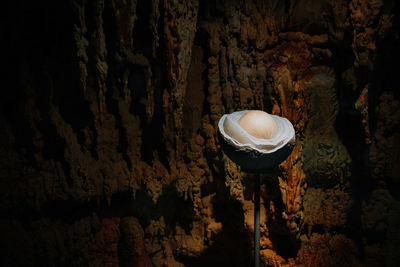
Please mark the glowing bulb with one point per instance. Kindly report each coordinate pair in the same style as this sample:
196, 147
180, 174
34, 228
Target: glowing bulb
259, 124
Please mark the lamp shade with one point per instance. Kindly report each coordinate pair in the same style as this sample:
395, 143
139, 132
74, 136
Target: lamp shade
251, 153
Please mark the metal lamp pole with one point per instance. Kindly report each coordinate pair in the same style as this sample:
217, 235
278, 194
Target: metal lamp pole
254, 159
257, 220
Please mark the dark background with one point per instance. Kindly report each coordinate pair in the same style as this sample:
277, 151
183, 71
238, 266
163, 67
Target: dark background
108, 145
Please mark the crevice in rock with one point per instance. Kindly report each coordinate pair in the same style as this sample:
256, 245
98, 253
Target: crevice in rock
232, 246
114, 91
350, 130
142, 34
285, 243
153, 133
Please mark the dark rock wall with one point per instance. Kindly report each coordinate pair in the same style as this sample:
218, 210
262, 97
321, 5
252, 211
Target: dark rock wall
109, 152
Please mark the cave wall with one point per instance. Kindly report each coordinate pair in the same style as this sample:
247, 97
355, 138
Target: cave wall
109, 150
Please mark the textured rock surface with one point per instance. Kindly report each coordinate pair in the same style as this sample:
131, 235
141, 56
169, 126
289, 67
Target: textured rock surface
108, 145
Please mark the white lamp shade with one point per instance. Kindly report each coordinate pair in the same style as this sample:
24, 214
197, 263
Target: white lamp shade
251, 153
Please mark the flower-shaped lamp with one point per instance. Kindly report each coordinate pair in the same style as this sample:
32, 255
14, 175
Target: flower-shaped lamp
258, 142
240, 132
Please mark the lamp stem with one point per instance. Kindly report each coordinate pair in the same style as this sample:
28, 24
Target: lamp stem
257, 220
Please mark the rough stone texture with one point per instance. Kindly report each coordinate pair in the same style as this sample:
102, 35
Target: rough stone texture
108, 145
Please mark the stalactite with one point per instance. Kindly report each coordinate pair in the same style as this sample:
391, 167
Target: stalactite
109, 148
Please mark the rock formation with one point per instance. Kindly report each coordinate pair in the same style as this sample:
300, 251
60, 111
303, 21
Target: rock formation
108, 144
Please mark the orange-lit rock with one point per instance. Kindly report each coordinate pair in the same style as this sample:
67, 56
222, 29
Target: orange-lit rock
109, 152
